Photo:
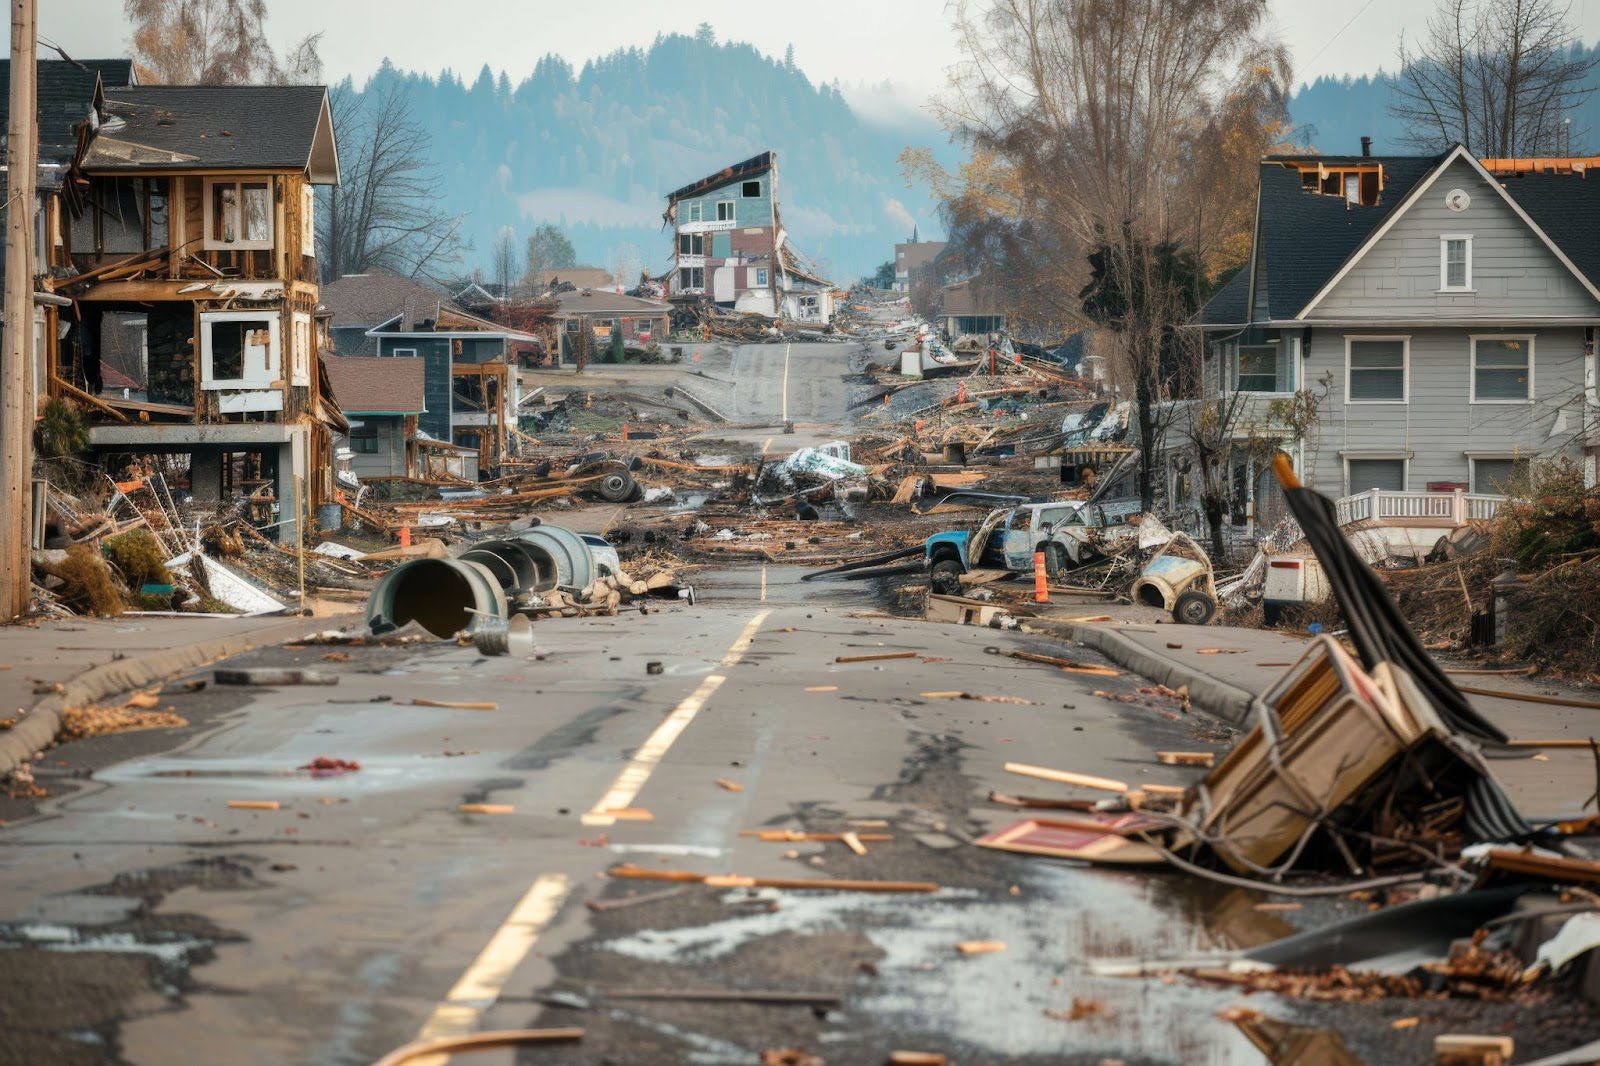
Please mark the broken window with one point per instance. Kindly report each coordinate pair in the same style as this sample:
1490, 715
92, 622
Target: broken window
725, 211
239, 214
751, 190
239, 350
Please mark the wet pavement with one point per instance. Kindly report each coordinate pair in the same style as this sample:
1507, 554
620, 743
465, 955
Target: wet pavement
141, 914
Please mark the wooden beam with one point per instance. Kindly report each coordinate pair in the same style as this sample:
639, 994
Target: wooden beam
88, 398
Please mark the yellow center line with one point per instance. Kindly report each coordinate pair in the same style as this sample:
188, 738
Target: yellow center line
479, 986
626, 788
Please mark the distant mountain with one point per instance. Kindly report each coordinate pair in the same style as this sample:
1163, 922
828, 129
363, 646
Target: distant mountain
1332, 115
597, 150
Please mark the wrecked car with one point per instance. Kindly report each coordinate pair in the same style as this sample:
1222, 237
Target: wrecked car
1068, 532
1178, 578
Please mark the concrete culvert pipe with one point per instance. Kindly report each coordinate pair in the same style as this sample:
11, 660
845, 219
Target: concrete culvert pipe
562, 557
511, 563
444, 596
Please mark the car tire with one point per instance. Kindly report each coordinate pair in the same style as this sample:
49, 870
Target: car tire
1056, 561
1194, 609
945, 577
617, 486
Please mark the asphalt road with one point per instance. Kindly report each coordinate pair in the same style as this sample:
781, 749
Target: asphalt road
149, 922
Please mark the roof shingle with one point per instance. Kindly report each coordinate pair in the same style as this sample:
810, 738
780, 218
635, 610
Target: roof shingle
370, 385
222, 126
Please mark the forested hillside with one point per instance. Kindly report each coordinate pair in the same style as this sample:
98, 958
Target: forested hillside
597, 149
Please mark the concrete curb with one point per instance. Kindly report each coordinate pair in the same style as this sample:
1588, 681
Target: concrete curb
38, 727
1217, 698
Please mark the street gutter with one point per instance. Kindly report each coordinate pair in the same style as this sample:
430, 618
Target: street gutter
37, 729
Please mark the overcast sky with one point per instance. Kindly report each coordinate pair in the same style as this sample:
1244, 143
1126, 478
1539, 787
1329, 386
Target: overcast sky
907, 42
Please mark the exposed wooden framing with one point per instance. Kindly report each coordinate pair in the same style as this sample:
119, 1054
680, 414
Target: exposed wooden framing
87, 397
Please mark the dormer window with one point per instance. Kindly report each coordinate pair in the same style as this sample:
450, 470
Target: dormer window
238, 214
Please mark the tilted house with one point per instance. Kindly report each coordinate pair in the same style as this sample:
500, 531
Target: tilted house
1444, 310
730, 247
185, 216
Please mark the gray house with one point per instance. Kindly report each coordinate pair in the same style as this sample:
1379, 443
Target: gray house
1443, 309
381, 399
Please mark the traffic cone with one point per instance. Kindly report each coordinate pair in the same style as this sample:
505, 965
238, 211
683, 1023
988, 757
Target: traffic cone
405, 536
1041, 583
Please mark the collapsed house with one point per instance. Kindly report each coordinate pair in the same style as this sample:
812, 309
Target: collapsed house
730, 247
183, 224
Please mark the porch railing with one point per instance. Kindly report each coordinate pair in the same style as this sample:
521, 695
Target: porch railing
1387, 507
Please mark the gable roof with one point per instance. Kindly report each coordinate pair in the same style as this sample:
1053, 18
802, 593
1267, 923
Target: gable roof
229, 127
756, 164
1442, 162
370, 385
369, 300
1304, 238
66, 96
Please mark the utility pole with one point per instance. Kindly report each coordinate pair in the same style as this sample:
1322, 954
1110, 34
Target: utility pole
16, 353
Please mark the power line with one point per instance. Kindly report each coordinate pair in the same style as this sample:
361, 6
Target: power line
1329, 43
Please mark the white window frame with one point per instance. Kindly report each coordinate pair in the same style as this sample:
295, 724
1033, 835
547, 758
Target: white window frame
403, 353
761, 277
1403, 458
301, 349
696, 212
1472, 365
213, 244
1444, 262
1405, 369
1231, 367
733, 210
274, 360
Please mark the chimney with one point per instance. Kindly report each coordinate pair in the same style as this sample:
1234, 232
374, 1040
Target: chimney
1366, 147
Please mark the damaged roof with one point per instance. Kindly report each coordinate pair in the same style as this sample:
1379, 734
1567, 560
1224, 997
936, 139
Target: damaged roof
599, 301
225, 127
370, 385
756, 164
66, 91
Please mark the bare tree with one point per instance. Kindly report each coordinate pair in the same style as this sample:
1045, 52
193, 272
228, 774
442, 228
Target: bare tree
384, 213
1096, 126
504, 263
1502, 77
214, 42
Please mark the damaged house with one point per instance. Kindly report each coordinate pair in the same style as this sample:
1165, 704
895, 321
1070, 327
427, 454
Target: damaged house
1442, 310
182, 229
730, 247
469, 362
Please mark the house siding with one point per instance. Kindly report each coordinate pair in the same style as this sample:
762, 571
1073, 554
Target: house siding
390, 458
435, 354
1513, 273
752, 211
1440, 426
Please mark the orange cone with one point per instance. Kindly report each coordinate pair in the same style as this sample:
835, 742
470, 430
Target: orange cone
405, 536
1041, 583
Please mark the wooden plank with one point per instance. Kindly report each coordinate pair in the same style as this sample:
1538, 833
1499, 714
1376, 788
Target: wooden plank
798, 883
875, 658
1067, 777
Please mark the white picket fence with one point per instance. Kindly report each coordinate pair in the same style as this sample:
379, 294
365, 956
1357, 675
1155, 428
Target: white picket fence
1391, 508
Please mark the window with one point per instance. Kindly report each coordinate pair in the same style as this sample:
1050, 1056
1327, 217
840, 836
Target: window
301, 352
1352, 188
691, 278
750, 190
239, 350
1494, 476
1502, 369
691, 244
761, 277
573, 325
404, 353
1265, 368
1375, 369
1455, 263
696, 212
725, 211
238, 214
363, 438
1386, 474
